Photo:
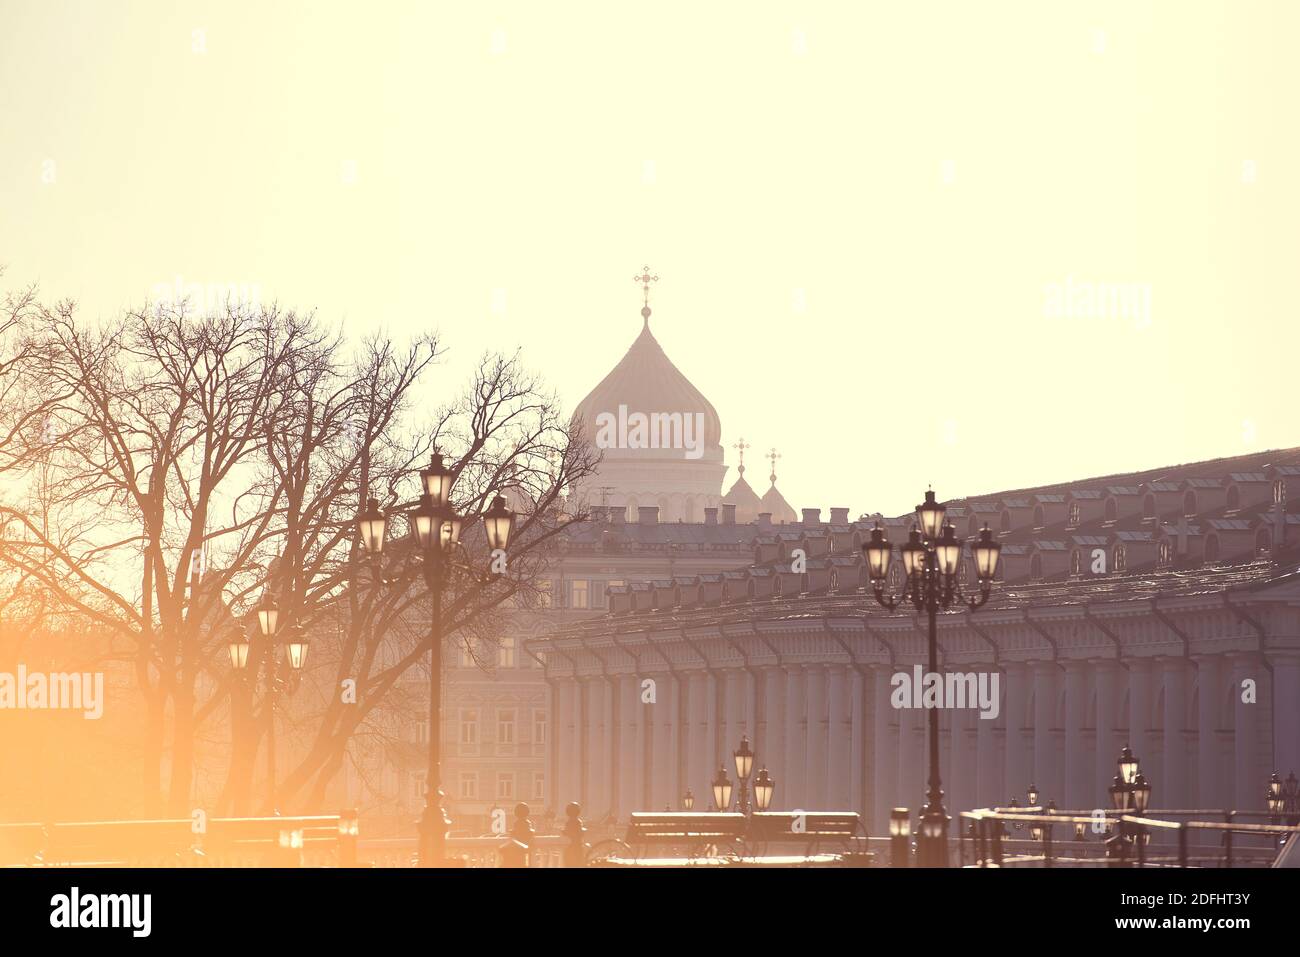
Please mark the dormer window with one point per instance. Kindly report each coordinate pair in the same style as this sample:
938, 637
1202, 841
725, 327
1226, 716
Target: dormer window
1036, 567
835, 582
1076, 563
1006, 520
1279, 492
1038, 516
1120, 559
776, 586
1074, 513
1112, 510
1234, 497
1166, 553
1148, 506
1189, 503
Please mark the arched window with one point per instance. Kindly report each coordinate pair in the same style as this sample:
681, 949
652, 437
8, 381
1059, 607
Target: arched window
1279, 492
1149, 506
1120, 559
1166, 553
1076, 563
1006, 520
1234, 496
894, 576
1035, 567
1263, 543
1212, 548
1074, 513
776, 586
835, 582
1038, 516
1112, 510
1189, 502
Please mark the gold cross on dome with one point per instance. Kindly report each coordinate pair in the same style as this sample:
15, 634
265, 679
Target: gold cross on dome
772, 456
645, 279
741, 446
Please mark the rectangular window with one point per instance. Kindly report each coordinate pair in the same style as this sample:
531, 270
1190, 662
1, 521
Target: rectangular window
422, 732
468, 789
506, 785
506, 727
417, 787
506, 652
539, 787
598, 594
469, 731
580, 593
539, 731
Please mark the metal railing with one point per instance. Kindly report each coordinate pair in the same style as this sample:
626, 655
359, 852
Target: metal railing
1151, 839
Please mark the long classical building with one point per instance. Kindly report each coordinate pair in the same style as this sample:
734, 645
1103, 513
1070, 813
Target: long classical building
1158, 610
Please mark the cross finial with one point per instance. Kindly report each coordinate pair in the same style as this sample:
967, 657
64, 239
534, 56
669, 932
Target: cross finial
772, 456
645, 279
741, 446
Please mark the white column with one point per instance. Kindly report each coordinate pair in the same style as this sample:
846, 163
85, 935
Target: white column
594, 800
795, 740
629, 746
697, 745
564, 789
815, 784
1139, 706
1286, 710
859, 746
1174, 773
609, 746
839, 734
1077, 770
884, 764
643, 735
1017, 764
1106, 678
1208, 773
772, 754
1044, 720
960, 781
988, 757
661, 722
1249, 783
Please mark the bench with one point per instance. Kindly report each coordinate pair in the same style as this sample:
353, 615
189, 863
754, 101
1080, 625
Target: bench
692, 836
819, 836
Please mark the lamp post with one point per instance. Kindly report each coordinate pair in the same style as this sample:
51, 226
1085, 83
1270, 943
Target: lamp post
899, 825
688, 801
436, 528
296, 645
744, 758
721, 790
931, 563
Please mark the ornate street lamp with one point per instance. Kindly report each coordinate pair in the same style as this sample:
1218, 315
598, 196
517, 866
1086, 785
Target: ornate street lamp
296, 644
688, 801
436, 529
1141, 793
239, 653
268, 615
1032, 794
1128, 765
371, 524
744, 759
764, 786
721, 790
931, 564
1274, 795
899, 825
1120, 794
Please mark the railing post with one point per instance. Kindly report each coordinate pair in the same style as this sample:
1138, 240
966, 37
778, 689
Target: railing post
1182, 844
349, 830
514, 852
1047, 845
1227, 838
575, 852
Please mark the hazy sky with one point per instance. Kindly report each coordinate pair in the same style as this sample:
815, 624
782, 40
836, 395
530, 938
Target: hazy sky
980, 245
